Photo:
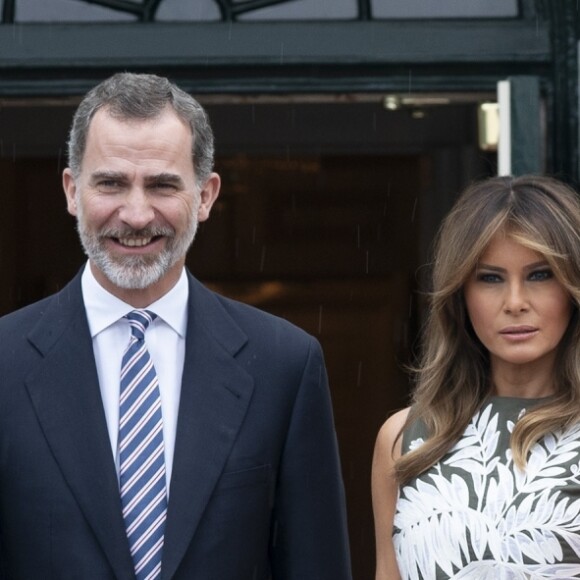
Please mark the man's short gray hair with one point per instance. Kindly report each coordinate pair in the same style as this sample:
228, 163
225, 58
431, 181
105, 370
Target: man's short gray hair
128, 96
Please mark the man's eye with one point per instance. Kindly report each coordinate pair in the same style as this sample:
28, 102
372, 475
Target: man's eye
164, 186
108, 184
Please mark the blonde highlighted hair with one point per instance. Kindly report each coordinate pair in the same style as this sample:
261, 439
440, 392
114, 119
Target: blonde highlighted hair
453, 375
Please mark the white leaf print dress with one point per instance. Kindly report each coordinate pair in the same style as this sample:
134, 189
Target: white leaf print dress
475, 516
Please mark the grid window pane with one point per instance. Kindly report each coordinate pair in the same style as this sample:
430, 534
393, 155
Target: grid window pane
444, 8
307, 10
67, 11
208, 10
186, 10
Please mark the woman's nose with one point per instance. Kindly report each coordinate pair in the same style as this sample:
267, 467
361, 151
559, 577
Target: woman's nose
516, 299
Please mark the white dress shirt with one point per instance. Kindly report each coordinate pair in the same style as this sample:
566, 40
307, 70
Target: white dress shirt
165, 339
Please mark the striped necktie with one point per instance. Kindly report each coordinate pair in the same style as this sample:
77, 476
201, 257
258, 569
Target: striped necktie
141, 453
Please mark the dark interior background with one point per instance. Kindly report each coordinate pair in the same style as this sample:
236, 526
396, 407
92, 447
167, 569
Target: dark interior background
328, 207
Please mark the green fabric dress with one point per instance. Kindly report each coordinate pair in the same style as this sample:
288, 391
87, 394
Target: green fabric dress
475, 516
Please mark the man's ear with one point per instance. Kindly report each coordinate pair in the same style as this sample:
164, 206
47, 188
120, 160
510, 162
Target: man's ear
70, 191
208, 195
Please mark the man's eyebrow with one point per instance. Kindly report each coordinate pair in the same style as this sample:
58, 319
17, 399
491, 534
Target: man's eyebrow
171, 178
114, 175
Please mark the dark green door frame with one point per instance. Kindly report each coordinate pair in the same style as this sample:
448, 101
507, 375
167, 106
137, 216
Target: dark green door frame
564, 19
294, 57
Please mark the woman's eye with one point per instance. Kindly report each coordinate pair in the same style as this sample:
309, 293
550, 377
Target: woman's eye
489, 278
540, 275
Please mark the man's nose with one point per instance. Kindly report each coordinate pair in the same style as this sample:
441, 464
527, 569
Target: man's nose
137, 211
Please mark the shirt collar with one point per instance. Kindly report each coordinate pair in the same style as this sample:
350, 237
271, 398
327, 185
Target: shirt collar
104, 309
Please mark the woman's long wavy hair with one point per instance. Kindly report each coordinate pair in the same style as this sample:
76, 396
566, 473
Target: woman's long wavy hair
453, 374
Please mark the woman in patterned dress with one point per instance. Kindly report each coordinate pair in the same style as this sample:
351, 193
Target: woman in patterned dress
480, 477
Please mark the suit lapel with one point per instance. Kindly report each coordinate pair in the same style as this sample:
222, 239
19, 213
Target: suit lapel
215, 395
214, 399
65, 393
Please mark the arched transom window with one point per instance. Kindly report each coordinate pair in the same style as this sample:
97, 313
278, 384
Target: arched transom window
248, 10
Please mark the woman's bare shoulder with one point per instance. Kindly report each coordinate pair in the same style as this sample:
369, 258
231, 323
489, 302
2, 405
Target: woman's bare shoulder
393, 425
389, 432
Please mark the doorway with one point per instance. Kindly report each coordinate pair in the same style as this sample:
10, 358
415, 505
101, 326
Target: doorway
329, 204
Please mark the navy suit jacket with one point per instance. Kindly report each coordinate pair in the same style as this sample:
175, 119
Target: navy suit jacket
256, 490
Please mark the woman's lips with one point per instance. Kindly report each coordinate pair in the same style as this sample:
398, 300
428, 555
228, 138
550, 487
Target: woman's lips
518, 333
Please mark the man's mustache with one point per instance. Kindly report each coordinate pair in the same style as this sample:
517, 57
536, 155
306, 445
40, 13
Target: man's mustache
148, 232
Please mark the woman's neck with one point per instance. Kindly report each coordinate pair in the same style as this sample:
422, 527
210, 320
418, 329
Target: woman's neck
522, 381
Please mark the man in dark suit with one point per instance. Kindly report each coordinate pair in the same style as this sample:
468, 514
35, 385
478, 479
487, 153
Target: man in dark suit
150, 428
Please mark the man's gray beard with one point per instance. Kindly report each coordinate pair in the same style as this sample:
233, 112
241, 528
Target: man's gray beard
135, 272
